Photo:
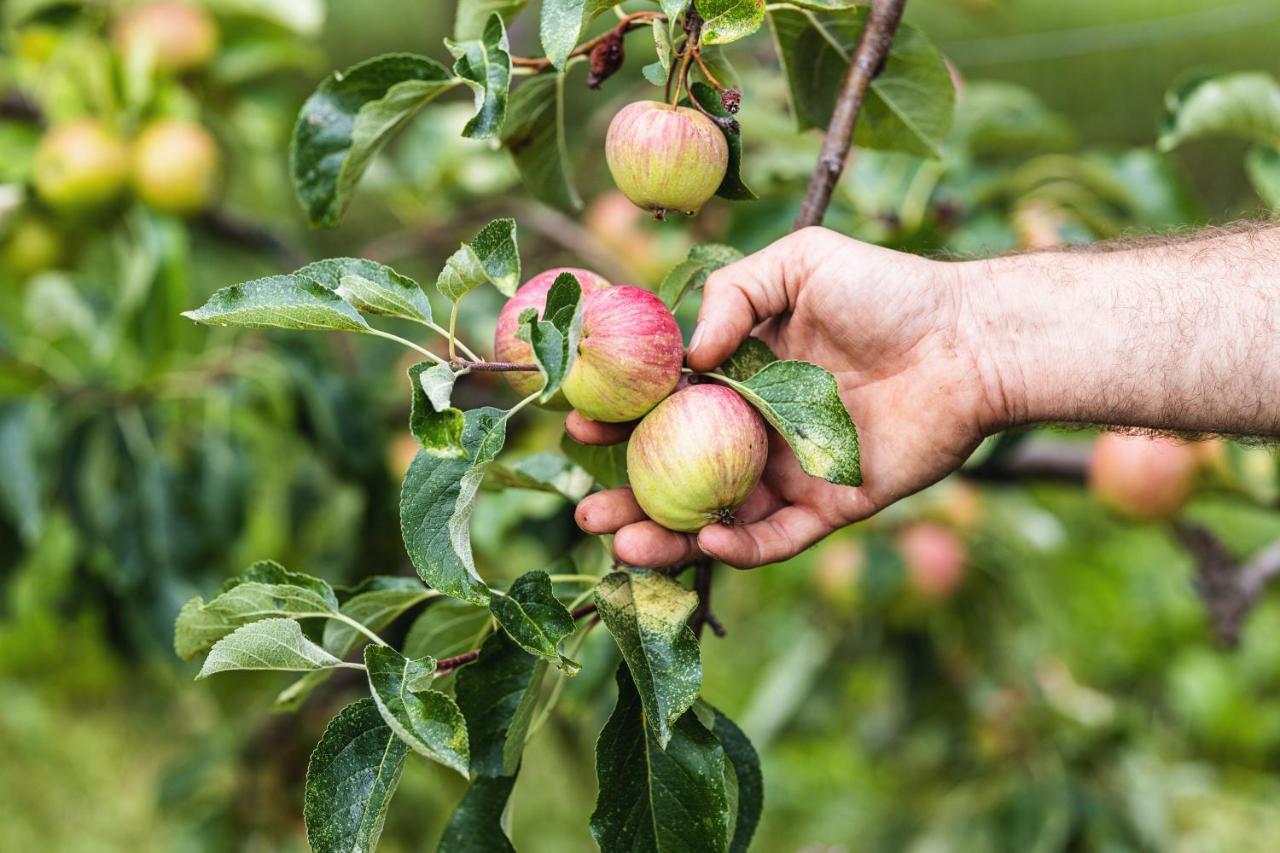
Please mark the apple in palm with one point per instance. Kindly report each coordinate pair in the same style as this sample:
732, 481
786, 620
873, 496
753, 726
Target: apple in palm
695, 458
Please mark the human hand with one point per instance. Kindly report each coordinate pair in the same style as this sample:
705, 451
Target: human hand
894, 330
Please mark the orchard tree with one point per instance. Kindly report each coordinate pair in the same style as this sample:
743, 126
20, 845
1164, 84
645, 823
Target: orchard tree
674, 773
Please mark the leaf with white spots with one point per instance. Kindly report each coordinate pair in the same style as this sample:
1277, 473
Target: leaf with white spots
802, 402
647, 613
351, 777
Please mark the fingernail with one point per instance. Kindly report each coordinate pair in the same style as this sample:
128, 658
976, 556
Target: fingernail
697, 336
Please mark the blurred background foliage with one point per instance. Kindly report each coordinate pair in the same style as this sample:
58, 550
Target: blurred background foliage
1060, 690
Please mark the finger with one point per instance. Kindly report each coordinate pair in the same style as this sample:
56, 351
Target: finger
586, 431
605, 512
778, 537
738, 297
649, 545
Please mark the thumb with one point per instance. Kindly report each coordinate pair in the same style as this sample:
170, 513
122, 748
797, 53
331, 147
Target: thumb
739, 297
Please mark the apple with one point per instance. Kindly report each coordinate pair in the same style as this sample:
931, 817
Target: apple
175, 37
934, 558
1143, 478
31, 245
174, 166
665, 158
694, 459
629, 355
80, 166
507, 347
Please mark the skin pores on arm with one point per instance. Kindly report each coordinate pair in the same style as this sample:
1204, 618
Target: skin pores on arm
1178, 335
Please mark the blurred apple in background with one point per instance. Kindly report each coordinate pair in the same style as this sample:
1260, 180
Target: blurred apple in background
1144, 478
935, 559
629, 234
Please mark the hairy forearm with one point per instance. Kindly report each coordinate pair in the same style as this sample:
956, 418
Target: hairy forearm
1178, 335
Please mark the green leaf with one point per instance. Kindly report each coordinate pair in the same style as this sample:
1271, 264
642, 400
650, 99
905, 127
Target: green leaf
492, 257
265, 590
371, 287
437, 428
379, 602
485, 65
436, 501
1263, 166
562, 23
531, 615
543, 472
351, 778
745, 764
646, 612
472, 15
268, 644
476, 824
673, 8
690, 275
279, 302
347, 121
607, 464
427, 720
554, 340
909, 104
20, 469
724, 21
499, 253
447, 628
497, 695
534, 134
1244, 104
436, 382
732, 187
802, 401
657, 72
751, 356
653, 796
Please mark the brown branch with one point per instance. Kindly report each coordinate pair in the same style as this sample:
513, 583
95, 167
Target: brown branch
1229, 589
492, 366
631, 22
868, 58
1060, 462
584, 610
232, 229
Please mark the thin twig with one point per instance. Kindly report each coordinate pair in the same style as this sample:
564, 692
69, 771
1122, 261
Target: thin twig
706, 72
584, 610
444, 666
491, 366
868, 58
631, 22
701, 615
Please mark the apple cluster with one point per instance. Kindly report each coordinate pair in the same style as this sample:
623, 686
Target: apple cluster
698, 450
84, 166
